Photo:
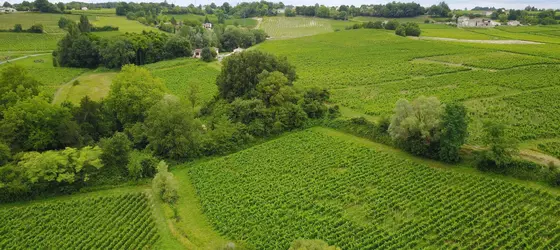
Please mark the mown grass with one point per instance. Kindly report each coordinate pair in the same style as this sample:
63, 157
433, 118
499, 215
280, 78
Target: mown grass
95, 85
291, 27
245, 22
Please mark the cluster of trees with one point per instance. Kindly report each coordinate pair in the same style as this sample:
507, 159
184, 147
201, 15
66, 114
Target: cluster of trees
440, 10
390, 10
35, 28
84, 25
544, 17
61, 148
39, 5
429, 128
408, 29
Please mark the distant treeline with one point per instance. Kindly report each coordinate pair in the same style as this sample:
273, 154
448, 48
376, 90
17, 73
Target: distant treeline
393, 9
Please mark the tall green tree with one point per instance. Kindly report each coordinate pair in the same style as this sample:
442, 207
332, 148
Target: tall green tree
116, 153
16, 84
164, 184
133, 92
84, 25
454, 131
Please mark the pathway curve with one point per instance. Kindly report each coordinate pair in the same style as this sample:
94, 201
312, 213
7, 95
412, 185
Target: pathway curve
59, 90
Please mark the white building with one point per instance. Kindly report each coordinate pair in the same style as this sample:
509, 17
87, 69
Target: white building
84, 8
488, 13
7, 10
207, 25
514, 23
466, 22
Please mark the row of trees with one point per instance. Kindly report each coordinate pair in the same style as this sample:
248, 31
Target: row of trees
35, 28
544, 17
390, 10
406, 29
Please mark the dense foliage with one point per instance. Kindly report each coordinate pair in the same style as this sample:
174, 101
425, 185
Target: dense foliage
110, 222
390, 10
316, 186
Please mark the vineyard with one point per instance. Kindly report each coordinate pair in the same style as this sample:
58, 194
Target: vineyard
552, 148
291, 27
180, 75
28, 41
317, 186
107, 222
369, 71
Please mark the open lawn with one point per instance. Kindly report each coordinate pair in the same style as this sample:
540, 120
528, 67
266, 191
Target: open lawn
324, 184
95, 85
124, 24
369, 70
291, 27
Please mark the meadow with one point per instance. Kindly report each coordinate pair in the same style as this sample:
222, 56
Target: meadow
122, 221
244, 22
291, 27
95, 85
369, 70
49, 21
327, 185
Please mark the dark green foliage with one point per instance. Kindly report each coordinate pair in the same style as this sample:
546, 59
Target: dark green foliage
392, 25
314, 102
94, 120
178, 46
84, 25
208, 54
77, 50
117, 52
501, 148
141, 165
36, 28
63, 22
234, 37
5, 154
18, 28
440, 10
374, 25
412, 29
116, 153
400, 31
454, 131
16, 85
239, 75
104, 28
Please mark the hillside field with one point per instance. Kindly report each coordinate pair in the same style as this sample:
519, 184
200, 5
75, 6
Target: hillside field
323, 184
292, 27
369, 70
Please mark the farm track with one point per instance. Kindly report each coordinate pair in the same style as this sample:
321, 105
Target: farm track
59, 90
23, 57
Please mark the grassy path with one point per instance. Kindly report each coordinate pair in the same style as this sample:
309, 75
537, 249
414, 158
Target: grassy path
56, 97
23, 57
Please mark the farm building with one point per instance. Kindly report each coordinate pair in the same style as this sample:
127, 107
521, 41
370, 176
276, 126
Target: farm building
514, 23
7, 10
207, 25
84, 8
281, 11
476, 22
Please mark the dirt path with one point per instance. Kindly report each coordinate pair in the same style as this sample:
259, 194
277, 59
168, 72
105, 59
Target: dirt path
23, 57
59, 90
259, 21
474, 41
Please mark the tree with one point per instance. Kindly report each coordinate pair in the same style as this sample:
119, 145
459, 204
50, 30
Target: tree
84, 25
206, 19
141, 165
134, 91
208, 54
401, 31
93, 120
173, 21
454, 131
5, 154
501, 147
416, 126
117, 52
178, 46
116, 152
165, 185
412, 29
239, 75
63, 22
60, 6
303, 244
193, 93
18, 27
77, 50
16, 85
172, 130
392, 25
36, 28
7, 5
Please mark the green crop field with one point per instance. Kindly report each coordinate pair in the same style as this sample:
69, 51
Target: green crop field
320, 186
418, 19
107, 222
244, 22
95, 85
49, 21
124, 24
290, 27
438, 30
180, 75
103, 12
552, 148
28, 42
369, 70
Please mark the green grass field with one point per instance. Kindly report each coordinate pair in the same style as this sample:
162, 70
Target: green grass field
321, 184
95, 85
244, 22
42, 69
418, 19
49, 21
291, 27
124, 24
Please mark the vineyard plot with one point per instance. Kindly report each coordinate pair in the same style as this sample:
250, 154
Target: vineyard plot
313, 185
106, 222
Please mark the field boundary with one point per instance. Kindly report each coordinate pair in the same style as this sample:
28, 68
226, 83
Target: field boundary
431, 38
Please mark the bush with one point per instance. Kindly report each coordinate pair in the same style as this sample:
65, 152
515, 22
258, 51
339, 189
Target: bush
116, 152
104, 28
164, 184
36, 28
63, 22
76, 83
392, 25
400, 31
18, 28
141, 165
208, 54
412, 29
5, 154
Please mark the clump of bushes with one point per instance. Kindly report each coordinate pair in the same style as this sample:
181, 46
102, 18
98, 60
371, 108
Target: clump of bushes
408, 29
35, 28
208, 54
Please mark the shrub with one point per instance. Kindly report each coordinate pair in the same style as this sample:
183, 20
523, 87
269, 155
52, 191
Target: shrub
36, 28
116, 152
141, 165
400, 31
164, 184
18, 28
76, 83
208, 54
412, 29
392, 25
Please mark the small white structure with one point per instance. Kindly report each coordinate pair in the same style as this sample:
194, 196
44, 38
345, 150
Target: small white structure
238, 50
84, 8
7, 10
197, 53
488, 13
207, 25
281, 11
514, 23
466, 22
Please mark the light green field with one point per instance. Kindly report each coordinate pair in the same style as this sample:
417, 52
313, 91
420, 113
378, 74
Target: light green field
11, 41
518, 36
180, 75
94, 85
244, 22
369, 70
41, 68
103, 12
49, 21
354, 194
124, 24
418, 19
432, 30
291, 27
